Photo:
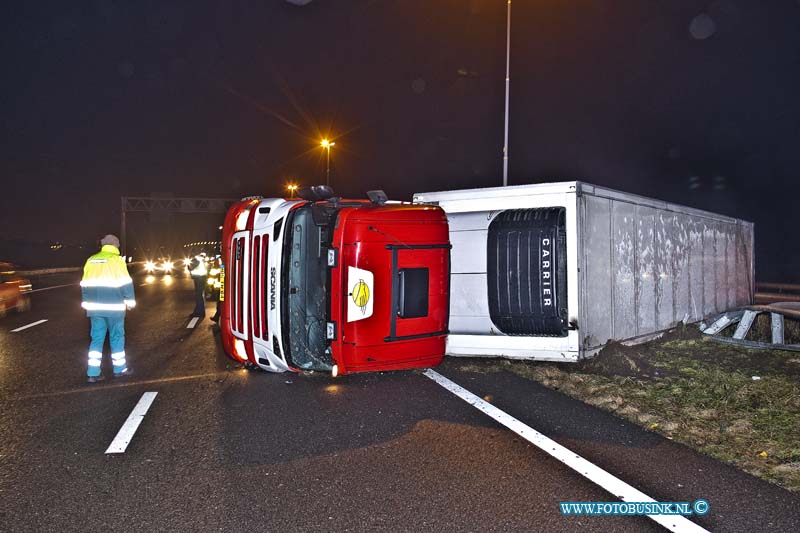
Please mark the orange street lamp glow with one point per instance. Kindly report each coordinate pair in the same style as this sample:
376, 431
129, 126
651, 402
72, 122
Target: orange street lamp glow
327, 145
291, 188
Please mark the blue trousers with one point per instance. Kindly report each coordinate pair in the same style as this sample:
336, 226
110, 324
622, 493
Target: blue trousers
199, 297
115, 328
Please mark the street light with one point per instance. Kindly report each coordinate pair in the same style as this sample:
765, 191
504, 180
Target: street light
508, 84
326, 144
291, 188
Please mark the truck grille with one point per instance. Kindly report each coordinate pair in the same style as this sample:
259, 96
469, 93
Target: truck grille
255, 287
236, 275
259, 285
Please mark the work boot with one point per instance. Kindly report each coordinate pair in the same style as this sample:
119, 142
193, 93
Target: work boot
125, 373
95, 379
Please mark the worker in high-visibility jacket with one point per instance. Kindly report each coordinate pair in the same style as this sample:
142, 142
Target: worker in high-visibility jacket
199, 271
107, 291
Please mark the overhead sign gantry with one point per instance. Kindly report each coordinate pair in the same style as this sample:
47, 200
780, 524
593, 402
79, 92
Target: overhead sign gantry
147, 204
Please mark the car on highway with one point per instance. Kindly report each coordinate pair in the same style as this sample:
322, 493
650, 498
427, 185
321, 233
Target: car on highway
14, 290
162, 265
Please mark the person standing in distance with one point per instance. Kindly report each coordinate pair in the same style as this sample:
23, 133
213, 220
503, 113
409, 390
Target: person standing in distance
199, 271
107, 292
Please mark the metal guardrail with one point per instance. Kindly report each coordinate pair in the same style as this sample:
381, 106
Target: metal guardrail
65, 270
777, 292
45, 271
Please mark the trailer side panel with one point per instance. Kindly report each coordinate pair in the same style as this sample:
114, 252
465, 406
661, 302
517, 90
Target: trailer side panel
649, 266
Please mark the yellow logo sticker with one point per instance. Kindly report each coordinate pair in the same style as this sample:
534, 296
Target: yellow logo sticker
360, 295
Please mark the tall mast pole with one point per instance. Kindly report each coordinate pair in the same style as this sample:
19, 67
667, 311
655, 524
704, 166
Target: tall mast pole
508, 84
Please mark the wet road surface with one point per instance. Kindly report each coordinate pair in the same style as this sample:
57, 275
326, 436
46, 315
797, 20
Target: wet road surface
225, 449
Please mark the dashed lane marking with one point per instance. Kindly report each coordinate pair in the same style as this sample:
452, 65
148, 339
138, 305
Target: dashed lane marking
126, 432
593, 473
42, 321
193, 322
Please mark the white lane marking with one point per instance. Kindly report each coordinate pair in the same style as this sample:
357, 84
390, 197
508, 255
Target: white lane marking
593, 473
55, 287
42, 321
193, 322
125, 434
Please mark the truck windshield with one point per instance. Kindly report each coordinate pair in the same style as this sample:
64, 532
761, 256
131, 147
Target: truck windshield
305, 289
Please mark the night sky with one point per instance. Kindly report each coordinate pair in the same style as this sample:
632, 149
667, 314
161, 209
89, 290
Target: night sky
696, 102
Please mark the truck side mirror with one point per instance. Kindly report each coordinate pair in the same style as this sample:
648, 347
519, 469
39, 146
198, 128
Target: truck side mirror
315, 193
377, 197
323, 191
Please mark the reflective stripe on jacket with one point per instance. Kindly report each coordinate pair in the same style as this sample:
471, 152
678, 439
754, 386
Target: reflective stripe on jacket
197, 267
106, 287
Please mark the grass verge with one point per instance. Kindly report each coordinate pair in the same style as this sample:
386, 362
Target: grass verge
738, 405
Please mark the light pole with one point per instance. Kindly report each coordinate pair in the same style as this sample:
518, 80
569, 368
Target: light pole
508, 83
327, 145
291, 188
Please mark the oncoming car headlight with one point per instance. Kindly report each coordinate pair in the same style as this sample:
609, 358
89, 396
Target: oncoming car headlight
149, 266
168, 265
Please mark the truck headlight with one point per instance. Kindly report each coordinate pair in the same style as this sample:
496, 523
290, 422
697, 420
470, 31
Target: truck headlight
239, 350
241, 219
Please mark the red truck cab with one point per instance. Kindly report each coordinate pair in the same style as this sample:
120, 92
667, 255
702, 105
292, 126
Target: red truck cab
335, 285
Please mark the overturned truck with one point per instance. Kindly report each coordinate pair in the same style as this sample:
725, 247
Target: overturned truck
555, 271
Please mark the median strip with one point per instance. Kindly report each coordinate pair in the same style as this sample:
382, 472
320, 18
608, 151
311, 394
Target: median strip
593, 473
42, 321
126, 432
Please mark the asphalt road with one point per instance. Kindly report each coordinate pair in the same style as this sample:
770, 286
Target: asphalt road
225, 449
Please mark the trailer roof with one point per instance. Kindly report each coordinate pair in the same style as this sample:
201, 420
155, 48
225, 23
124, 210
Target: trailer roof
578, 187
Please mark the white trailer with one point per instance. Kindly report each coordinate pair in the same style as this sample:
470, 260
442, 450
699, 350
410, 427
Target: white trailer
554, 271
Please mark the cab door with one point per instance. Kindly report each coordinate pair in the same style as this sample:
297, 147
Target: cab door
397, 306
